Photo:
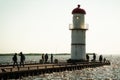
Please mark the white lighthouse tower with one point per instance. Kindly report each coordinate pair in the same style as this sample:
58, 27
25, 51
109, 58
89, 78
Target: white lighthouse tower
78, 35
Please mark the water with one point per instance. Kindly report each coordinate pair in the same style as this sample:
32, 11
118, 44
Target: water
32, 58
111, 72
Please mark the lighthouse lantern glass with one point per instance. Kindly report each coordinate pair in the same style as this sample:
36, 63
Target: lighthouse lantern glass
78, 21
77, 17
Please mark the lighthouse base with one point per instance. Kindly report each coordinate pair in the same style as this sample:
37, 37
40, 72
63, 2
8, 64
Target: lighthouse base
75, 61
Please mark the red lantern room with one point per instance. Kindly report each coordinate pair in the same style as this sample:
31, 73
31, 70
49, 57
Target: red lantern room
78, 10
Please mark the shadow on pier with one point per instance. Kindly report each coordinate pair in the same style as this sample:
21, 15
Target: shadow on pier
8, 72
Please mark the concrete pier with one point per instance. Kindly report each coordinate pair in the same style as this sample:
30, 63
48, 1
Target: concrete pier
9, 72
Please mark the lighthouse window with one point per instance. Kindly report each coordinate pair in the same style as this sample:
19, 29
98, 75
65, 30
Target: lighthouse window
77, 17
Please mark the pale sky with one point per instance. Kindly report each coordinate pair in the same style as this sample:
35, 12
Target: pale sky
36, 26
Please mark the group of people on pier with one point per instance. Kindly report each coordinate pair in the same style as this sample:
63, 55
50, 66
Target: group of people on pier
94, 58
45, 58
15, 59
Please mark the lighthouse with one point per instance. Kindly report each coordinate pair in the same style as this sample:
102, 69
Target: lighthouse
78, 35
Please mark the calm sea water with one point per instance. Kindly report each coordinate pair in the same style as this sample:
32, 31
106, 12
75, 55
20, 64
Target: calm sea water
31, 58
111, 72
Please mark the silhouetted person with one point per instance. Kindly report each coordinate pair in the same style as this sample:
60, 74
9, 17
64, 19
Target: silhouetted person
46, 57
43, 58
94, 57
22, 59
87, 57
15, 60
100, 58
51, 58
104, 59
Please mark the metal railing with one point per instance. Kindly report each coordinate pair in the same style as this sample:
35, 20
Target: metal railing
85, 27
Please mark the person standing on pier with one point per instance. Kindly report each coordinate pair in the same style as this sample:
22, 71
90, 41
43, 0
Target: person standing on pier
104, 59
46, 57
43, 58
100, 58
87, 57
22, 59
51, 58
94, 57
15, 60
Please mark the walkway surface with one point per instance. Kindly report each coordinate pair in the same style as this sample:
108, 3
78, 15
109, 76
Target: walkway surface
10, 68
36, 66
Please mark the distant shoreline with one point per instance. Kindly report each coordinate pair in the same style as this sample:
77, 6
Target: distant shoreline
33, 54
